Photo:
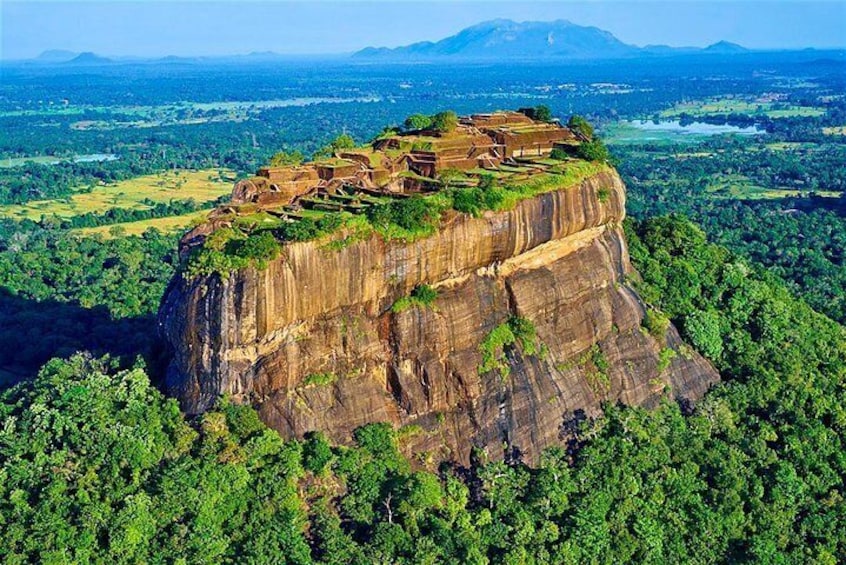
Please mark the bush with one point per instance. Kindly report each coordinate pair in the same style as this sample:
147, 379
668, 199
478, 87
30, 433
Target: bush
514, 330
412, 214
580, 127
422, 295
559, 154
656, 323
445, 122
283, 158
317, 453
593, 150
259, 248
417, 121
469, 201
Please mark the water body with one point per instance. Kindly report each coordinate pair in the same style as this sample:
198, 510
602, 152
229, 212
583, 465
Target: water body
48, 160
695, 128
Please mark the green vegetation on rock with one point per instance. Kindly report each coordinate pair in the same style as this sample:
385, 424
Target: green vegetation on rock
493, 348
422, 296
228, 249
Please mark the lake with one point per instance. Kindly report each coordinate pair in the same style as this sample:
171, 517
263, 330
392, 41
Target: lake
51, 160
645, 131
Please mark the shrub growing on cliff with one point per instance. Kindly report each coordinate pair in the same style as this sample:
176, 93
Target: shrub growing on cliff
415, 215
581, 127
228, 249
514, 330
594, 150
423, 295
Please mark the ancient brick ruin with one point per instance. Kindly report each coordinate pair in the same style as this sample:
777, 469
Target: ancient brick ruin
395, 165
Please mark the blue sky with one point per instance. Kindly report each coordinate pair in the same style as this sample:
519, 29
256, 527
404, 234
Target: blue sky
157, 28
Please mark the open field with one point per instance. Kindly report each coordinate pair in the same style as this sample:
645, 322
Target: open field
740, 187
202, 186
738, 106
170, 224
839, 130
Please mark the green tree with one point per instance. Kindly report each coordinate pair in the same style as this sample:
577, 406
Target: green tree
593, 150
542, 113
284, 158
581, 127
445, 122
417, 122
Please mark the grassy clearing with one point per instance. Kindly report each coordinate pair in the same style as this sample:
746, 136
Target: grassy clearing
742, 188
203, 186
715, 106
172, 224
838, 130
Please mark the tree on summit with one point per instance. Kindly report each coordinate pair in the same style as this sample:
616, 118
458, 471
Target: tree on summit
445, 122
581, 127
284, 158
343, 141
417, 122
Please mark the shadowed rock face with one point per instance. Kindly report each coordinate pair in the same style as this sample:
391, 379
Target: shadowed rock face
559, 260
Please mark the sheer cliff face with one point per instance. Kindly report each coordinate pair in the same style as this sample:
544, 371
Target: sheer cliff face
313, 344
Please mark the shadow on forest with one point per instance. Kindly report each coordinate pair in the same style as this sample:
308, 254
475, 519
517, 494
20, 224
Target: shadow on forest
33, 332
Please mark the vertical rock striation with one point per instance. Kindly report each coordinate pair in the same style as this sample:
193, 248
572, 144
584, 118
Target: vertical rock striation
312, 343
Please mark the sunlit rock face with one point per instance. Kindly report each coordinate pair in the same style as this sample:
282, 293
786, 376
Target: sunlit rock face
312, 343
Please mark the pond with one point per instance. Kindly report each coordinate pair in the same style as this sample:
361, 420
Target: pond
50, 160
645, 131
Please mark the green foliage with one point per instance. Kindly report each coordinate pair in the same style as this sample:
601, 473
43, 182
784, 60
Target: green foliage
542, 113
558, 154
493, 347
227, 249
445, 122
98, 466
742, 192
340, 143
596, 370
580, 127
61, 293
415, 214
317, 453
449, 176
417, 122
319, 379
665, 357
422, 296
656, 323
702, 329
593, 150
284, 158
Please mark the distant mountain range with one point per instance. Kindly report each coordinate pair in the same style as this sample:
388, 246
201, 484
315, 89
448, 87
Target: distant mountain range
507, 39
496, 39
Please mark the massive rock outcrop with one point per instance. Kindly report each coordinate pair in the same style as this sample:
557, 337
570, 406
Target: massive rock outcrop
312, 342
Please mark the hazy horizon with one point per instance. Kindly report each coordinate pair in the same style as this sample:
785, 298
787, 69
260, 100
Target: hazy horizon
189, 28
